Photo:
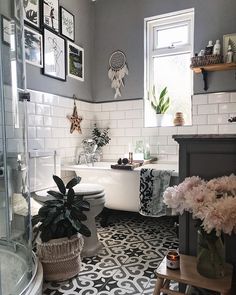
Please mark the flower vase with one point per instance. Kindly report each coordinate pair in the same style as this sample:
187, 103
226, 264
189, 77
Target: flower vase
210, 255
98, 154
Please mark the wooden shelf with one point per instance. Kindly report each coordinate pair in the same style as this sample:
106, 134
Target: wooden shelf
212, 68
215, 67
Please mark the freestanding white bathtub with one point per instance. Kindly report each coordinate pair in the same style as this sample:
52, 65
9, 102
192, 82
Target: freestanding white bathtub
121, 186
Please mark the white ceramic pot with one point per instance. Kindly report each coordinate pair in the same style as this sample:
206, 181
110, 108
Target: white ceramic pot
164, 119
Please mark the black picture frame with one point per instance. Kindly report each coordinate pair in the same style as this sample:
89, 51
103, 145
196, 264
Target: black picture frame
6, 30
32, 14
54, 50
50, 15
33, 47
67, 24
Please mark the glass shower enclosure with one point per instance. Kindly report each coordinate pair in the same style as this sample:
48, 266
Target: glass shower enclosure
18, 265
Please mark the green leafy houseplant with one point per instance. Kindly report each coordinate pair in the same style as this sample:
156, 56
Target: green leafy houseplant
100, 136
63, 216
162, 104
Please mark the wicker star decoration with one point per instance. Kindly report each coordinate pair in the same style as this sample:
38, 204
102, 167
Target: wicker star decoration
75, 120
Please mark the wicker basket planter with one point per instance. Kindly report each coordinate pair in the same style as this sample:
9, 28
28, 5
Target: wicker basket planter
60, 258
198, 61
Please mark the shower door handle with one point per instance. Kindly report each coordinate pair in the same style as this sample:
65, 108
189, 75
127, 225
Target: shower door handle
1, 172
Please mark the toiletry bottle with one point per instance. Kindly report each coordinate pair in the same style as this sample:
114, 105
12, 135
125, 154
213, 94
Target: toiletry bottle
130, 157
229, 55
216, 48
147, 152
209, 48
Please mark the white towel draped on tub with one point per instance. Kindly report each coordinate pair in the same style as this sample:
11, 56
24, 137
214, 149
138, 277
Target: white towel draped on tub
153, 183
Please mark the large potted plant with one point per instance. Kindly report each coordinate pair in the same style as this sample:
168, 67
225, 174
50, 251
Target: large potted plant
161, 104
58, 231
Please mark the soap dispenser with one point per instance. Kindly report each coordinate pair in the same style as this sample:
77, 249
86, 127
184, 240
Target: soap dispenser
216, 48
209, 48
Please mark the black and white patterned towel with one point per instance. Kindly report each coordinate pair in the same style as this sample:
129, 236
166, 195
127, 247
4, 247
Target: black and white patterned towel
153, 183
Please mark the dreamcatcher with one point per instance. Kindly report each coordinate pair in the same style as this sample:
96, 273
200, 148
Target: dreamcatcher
117, 71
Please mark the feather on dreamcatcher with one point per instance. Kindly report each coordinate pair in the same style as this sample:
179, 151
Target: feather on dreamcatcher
117, 71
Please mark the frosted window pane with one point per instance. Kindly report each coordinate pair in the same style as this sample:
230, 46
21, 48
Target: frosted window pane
172, 36
174, 72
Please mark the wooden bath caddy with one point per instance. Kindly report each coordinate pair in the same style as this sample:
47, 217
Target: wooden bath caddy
135, 164
125, 167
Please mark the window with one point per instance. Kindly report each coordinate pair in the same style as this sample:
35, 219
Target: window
168, 49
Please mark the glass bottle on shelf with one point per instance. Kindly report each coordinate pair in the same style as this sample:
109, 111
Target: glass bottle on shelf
229, 55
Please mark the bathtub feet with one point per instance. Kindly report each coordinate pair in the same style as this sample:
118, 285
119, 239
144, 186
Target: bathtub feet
105, 217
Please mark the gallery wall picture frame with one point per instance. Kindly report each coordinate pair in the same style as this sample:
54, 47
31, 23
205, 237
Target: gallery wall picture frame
75, 61
33, 47
229, 39
6, 30
67, 24
31, 12
54, 63
51, 14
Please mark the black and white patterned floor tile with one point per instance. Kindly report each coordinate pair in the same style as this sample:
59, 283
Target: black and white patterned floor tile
133, 247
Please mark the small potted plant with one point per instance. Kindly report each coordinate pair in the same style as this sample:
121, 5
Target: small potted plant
101, 137
58, 231
161, 104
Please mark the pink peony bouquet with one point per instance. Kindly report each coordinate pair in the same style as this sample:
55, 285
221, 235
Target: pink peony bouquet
212, 202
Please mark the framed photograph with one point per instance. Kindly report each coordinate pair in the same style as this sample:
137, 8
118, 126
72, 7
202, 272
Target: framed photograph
67, 24
75, 61
54, 64
6, 30
31, 11
229, 39
33, 47
51, 14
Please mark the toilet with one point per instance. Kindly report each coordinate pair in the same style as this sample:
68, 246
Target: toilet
42, 166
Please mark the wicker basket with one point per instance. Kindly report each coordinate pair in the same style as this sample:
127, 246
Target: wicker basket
60, 258
198, 61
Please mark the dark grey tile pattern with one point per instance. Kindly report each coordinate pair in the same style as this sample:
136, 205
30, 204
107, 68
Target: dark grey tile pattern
133, 247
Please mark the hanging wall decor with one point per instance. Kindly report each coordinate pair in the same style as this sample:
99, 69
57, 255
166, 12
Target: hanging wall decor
117, 71
75, 119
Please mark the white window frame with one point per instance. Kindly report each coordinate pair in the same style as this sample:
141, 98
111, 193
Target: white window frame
165, 21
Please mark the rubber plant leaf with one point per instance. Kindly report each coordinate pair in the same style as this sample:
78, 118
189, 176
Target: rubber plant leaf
73, 182
82, 205
55, 194
60, 184
75, 213
70, 196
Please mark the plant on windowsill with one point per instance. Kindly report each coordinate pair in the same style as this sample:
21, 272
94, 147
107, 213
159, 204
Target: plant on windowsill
58, 231
161, 104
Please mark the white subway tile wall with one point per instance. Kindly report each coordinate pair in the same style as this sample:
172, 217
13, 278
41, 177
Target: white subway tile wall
49, 128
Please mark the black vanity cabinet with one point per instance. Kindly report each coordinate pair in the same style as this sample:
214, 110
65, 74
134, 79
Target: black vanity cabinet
207, 156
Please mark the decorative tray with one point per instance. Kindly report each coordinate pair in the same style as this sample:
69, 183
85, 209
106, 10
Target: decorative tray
135, 164
125, 167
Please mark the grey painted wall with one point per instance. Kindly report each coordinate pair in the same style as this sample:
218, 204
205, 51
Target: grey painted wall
83, 11
119, 24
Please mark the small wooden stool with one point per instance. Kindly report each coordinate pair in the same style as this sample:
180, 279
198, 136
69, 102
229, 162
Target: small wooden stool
187, 274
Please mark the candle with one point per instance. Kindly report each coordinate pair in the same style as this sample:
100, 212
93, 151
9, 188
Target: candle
130, 148
172, 259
